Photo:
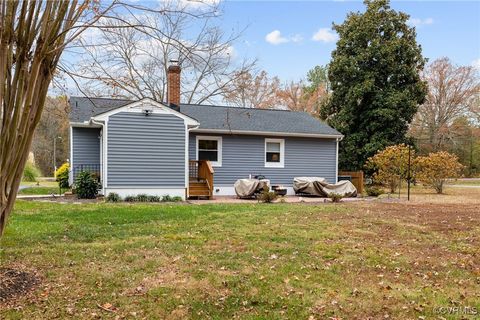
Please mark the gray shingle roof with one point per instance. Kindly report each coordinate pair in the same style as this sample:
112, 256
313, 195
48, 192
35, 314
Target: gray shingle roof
83, 108
217, 117
248, 119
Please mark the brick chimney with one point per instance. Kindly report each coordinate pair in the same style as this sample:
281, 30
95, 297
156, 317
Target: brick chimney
173, 84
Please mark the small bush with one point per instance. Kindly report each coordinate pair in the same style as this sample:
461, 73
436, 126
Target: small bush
130, 199
374, 191
62, 175
167, 198
154, 199
142, 197
146, 198
113, 197
86, 185
335, 197
267, 196
30, 172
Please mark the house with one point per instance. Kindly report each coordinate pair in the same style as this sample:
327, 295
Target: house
194, 150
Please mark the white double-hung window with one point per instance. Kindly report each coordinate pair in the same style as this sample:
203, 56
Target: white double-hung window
210, 148
274, 153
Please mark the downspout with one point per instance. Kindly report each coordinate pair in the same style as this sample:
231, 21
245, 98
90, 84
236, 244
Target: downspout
336, 158
187, 156
102, 158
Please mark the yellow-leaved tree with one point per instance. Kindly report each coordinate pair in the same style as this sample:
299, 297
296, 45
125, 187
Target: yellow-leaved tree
433, 170
391, 165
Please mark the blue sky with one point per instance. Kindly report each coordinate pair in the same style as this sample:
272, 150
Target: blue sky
444, 28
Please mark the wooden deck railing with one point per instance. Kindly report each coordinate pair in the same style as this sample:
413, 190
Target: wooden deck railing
202, 170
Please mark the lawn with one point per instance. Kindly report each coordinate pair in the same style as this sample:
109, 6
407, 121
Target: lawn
39, 191
39, 188
465, 182
248, 261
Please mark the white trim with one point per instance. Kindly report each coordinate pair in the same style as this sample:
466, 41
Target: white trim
141, 105
187, 137
280, 164
102, 178
336, 163
267, 133
85, 124
105, 157
70, 172
129, 191
219, 140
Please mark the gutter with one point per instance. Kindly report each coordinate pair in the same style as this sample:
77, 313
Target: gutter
339, 137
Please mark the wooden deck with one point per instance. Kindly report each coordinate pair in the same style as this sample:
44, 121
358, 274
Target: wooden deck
201, 179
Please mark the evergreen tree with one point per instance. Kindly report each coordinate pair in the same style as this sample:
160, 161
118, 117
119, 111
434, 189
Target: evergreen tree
374, 74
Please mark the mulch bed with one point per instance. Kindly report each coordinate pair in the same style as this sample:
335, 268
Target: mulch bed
15, 283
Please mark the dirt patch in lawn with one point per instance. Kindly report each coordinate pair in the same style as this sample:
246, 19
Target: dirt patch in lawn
15, 283
445, 218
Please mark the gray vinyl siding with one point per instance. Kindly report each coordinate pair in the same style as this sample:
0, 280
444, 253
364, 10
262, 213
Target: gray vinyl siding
85, 149
146, 151
243, 155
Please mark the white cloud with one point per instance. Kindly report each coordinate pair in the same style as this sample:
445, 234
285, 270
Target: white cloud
297, 38
192, 5
476, 64
325, 35
275, 37
417, 22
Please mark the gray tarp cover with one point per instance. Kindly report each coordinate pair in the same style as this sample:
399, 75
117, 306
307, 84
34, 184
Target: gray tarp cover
317, 186
247, 187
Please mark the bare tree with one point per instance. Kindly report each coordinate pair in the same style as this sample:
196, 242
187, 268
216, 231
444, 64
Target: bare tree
292, 96
253, 90
33, 35
132, 62
452, 92
475, 108
296, 96
51, 131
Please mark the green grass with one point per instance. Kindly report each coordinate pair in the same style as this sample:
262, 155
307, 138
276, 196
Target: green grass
39, 191
51, 184
250, 261
40, 188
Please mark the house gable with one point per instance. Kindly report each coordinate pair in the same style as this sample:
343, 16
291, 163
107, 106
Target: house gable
148, 107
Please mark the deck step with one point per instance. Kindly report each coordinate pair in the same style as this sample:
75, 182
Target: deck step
198, 189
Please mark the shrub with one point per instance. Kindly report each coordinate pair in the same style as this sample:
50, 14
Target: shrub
374, 191
113, 197
146, 198
142, 197
86, 185
130, 199
390, 165
167, 198
30, 172
436, 168
267, 196
62, 175
335, 197
154, 199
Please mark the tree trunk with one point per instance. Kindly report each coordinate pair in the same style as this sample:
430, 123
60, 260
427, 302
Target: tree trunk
33, 35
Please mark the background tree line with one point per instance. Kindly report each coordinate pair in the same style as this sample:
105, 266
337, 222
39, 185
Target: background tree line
378, 89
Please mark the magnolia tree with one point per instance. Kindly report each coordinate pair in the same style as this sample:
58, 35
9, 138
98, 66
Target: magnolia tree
390, 165
436, 168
